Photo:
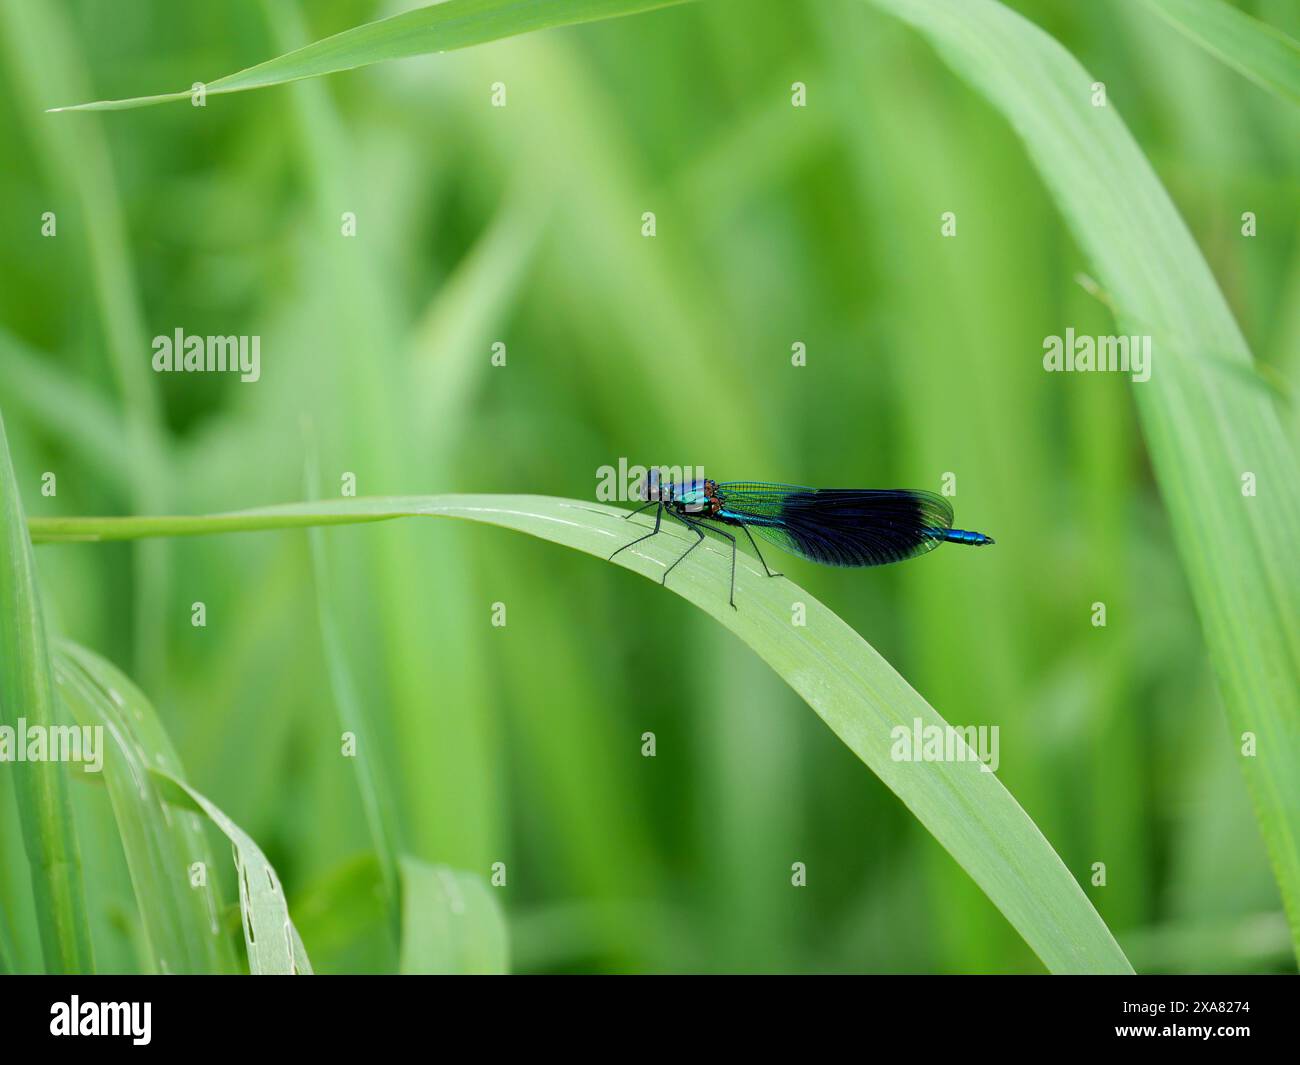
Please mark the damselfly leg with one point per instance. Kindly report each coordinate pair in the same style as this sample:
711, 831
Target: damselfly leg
697, 525
659, 515
638, 510
700, 539
760, 553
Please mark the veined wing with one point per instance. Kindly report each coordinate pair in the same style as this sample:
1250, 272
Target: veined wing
840, 526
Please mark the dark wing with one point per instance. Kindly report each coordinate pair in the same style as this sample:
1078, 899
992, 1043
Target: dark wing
840, 526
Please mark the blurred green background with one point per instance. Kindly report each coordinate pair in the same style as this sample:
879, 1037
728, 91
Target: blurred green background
522, 225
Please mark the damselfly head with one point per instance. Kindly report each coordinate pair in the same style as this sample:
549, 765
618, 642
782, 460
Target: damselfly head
650, 491
657, 488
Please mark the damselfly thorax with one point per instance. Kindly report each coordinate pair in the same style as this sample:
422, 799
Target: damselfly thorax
697, 498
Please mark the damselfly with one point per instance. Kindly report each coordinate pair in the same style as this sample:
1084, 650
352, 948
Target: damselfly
833, 526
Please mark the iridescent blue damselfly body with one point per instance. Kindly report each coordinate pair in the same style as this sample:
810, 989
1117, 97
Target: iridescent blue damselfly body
833, 526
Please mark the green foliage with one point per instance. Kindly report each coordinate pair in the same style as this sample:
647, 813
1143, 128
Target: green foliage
485, 229
1265, 55
1213, 435
172, 871
451, 922
40, 787
159, 818
274, 946
837, 673
438, 28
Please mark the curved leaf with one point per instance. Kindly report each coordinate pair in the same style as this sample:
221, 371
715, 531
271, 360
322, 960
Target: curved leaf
41, 787
274, 946
181, 921
855, 691
1212, 434
1265, 55
438, 28
273, 942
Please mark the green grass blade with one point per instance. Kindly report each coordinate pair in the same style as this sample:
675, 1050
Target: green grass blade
274, 946
443, 758
354, 713
45, 63
1205, 427
851, 687
1266, 55
437, 28
451, 923
181, 922
273, 943
27, 692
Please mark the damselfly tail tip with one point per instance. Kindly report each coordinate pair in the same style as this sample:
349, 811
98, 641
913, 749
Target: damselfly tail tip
964, 536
